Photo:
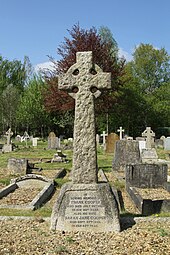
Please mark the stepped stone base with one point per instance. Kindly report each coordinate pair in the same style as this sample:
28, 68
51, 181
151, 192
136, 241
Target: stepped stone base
86, 207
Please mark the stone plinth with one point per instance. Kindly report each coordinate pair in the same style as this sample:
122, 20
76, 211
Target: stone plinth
86, 207
126, 152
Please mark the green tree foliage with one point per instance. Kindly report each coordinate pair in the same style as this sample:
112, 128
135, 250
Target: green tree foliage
31, 112
8, 106
151, 67
14, 72
107, 38
144, 100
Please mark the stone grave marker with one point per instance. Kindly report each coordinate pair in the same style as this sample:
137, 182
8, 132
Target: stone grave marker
149, 154
104, 135
53, 141
121, 130
126, 152
35, 141
84, 204
149, 134
110, 142
8, 146
97, 139
167, 143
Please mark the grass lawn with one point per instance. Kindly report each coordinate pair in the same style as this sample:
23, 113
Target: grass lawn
41, 152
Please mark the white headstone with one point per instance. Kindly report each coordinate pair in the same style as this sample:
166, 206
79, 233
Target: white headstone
167, 143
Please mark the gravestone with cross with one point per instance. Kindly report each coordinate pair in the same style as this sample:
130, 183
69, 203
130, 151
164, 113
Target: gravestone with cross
149, 154
8, 146
121, 130
149, 134
104, 135
85, 204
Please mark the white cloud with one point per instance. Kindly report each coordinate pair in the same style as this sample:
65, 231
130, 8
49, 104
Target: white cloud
125, 54
44, 66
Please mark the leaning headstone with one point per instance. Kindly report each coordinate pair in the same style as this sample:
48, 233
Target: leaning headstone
126, 152
52, 141
110, 142
84, 204
8, 146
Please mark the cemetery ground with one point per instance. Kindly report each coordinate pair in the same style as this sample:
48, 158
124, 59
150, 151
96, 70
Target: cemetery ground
28, 232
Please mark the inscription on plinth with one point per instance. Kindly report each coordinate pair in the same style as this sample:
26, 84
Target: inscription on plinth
85, 210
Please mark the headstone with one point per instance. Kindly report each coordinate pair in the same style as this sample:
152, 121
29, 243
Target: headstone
97, 139
8, 146
146, 175
126, 152
149, 134
84, 204
121, 130
53, 142
35, 141
17, 166
149, 154
104, 135
142, 145
110, 142
167, 143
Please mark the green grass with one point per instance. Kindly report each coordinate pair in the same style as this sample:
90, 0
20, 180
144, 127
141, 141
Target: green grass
42, 212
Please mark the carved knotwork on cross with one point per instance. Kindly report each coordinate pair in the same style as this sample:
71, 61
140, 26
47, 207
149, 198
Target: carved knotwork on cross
83, 81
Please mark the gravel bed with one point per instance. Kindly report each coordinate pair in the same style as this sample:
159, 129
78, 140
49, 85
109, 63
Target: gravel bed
33, 237
158, 193
20, 196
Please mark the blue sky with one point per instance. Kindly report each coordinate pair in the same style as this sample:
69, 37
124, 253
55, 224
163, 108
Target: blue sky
35, 28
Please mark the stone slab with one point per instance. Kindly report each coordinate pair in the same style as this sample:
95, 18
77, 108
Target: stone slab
148, 206
86, 207
146, 175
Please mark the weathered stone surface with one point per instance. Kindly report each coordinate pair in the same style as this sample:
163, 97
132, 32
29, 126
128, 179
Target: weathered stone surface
83, 77
52, 141
149, 156
110, 142
149, 134
17, 166
146, 175
126, 152
86, 207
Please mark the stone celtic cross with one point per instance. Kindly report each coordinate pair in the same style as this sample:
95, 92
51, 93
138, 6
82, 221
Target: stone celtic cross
148, 133
82, 80
9, 133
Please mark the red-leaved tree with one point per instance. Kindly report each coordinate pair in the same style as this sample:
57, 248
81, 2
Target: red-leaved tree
83, 40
